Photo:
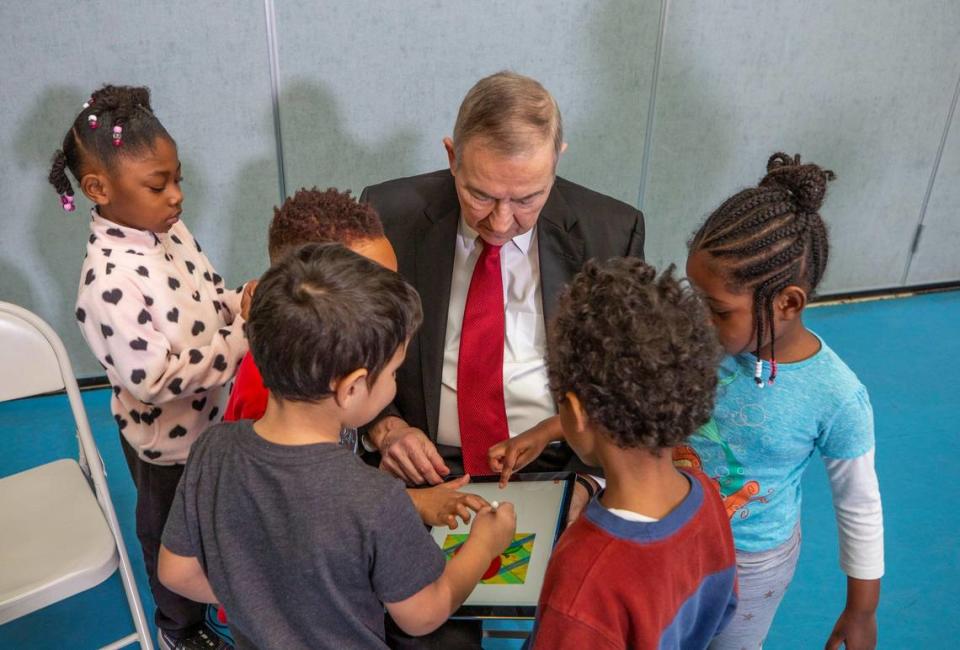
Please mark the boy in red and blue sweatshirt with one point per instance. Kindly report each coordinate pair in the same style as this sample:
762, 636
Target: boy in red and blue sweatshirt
650, 563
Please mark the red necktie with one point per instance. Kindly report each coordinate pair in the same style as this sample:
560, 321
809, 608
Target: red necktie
480, 406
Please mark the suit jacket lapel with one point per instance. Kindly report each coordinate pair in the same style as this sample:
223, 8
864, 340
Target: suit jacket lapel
434, 260
560, 247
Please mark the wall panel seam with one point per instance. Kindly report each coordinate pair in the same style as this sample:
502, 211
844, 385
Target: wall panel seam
930, 183
652, 107
274, 63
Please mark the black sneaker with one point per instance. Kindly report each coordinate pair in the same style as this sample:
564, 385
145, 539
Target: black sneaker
201, 639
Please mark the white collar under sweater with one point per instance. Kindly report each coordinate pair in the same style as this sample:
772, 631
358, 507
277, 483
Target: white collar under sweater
166, 330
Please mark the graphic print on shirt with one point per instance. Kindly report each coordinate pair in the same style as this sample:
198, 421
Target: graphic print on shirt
736, 490
165, 355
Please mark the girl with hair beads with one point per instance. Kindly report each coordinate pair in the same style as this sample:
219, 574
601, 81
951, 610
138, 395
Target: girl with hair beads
153, 311
757, 259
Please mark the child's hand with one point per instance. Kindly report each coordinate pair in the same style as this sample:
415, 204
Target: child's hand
440, 505
514, 454
854, 630
494, 529
248, 289
857, 626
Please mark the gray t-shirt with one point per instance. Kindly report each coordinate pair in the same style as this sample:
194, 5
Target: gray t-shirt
301, 544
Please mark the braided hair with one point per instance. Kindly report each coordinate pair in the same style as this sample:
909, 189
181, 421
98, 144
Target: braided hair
771, 236
116, 121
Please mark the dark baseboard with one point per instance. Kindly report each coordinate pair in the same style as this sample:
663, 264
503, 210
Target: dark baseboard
89, 383
890, 292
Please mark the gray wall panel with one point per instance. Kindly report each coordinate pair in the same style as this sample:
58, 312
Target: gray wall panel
367, 93
861, 88
938, 255
207, 66
368, 89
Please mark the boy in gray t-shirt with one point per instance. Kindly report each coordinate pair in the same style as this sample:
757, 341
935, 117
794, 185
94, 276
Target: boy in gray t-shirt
301, 541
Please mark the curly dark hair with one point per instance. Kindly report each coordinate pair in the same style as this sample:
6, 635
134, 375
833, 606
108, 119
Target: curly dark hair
83, 145
637, 350
322, 312
769, 237
311, 216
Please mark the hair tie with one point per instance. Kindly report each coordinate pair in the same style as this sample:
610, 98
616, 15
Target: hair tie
773, 372
92, 121
66, 201
758, 373
117, 135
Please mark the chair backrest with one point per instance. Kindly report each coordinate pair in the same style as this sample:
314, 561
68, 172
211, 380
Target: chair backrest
29, 363
33, 361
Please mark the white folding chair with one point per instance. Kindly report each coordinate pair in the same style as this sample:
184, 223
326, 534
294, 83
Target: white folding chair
59, 534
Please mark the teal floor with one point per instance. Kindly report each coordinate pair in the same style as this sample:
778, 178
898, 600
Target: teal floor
903, 350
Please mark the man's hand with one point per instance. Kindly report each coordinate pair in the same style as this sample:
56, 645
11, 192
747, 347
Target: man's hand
247, 298
440, 505
515, 453
579, 500
407, 452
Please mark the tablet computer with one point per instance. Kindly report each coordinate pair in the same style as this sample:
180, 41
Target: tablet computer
511, 585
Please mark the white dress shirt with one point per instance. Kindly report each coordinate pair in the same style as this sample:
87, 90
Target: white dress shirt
526, 389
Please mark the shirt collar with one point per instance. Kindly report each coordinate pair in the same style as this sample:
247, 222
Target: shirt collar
652, 531
121, 236
522, 242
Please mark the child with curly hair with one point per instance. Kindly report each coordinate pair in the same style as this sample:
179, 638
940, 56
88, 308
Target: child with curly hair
650, 563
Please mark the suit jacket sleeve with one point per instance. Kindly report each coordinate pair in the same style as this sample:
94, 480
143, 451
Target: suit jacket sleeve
382, 203
637, 237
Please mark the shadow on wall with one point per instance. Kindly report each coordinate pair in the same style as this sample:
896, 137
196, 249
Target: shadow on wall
47, 270
319, 152
16, 284
606, 143
332, 157
695, 140
245, 219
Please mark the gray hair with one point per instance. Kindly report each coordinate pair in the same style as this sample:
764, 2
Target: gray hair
511, 111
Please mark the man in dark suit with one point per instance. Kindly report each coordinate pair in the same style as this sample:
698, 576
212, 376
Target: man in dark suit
489, 243
500, 189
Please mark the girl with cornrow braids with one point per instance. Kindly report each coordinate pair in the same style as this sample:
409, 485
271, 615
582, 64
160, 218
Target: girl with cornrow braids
783, 395
154, 312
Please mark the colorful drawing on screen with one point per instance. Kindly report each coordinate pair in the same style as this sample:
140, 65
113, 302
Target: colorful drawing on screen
510, 568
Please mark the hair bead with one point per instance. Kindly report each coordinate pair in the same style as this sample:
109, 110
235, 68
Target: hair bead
769, 237
129, 121
758, 373
66, 201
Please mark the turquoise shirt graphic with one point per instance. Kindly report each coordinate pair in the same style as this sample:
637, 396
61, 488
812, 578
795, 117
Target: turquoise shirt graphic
759, 441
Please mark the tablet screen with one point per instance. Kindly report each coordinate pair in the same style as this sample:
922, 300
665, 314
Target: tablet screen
511, 585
